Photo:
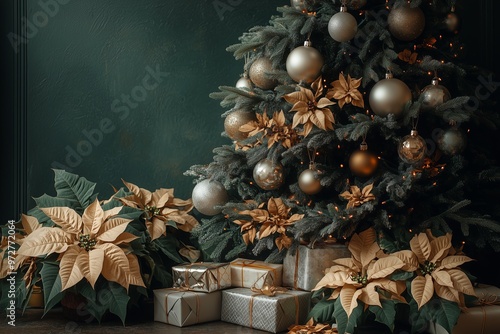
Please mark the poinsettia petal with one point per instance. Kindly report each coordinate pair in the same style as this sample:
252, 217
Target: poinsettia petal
134, 275
65, 217
45, 241
422, 289
92, 218
68, 267
115, 265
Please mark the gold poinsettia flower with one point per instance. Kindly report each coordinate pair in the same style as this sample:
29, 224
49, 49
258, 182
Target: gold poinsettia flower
275, 219
357, 197
346, 91
311, 328
364, 276
89, 246
311, 108
438, 271
408, 56
159, 208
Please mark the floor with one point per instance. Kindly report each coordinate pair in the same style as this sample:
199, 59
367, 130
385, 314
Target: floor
55, 323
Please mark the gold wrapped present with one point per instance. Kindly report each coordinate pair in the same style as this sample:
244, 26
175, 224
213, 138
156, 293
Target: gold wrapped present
203, 276
255, 274
262, 311
183, 308
307, 267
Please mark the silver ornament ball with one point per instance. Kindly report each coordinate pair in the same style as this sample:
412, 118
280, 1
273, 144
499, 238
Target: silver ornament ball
342, 26
434, 95
304, 63
406, 23
412, 148
452, 142
389, 96
309, 182
298, 4
244, 83
258, 73
268, 175
207, 195
234, 120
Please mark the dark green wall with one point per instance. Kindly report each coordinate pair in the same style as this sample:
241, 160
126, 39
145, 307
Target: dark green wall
89, 75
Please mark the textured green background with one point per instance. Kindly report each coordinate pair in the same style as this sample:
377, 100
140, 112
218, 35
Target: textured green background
93, 51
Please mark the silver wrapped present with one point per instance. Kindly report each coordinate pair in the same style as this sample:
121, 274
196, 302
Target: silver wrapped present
274, 314
307, 267
183, 308
255, 274
203, 276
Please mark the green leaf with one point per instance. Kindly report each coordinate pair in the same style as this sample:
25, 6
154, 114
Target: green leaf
168, 245
73, 187
322, 312
340, 316
95, 308
445, 313
162, 275
419, 319
401, 275
86, 290
118, 300
51, 285
385, 314
46, 201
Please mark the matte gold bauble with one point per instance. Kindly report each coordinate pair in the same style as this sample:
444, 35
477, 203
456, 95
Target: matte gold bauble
362, 162
406, 23
389, 96
304, 63
234, 120
258, 73
434, 95
412, 148
452, 22
309, 181
452, 141
268, 175
207, 195
342, 26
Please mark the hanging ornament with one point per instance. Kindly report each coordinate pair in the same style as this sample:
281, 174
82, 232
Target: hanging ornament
362, 162
357, 4
244, 82
406, 23
342, 26
389, 96
412, 148
452, 22
258, 71
268, 175
309, 181
207, 195
234, 120
434, 95
452, 141
304, 63
299, 4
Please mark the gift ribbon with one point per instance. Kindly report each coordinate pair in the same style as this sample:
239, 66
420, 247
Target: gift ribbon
296, 271
271, 292
183, 291
252, 264
486, 300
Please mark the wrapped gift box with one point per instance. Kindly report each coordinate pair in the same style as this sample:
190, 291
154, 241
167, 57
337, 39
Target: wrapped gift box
307, 267
255, 274
202, 277
274, 314
184, 308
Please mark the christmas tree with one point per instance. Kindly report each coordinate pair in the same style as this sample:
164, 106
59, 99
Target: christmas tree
353, 115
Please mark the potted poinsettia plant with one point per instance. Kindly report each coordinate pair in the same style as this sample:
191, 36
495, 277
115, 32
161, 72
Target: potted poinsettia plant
103, 254
371, 285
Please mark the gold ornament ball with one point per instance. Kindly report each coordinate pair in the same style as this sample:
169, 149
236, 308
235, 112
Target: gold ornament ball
406, 23
207, 195
268, 175
236, 119
342, 26
304, 63
452, 142
434, 95
389, 96
244, 83
257, 73
412, 148
309, 182
363, 163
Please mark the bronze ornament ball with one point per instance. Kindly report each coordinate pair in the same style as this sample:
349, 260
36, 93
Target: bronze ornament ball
268, 175
207, 195
452, 142
362, 162
434, 95
304, 63
309, 182
412, 148
406, 23
257, 73
389, 96
234, 120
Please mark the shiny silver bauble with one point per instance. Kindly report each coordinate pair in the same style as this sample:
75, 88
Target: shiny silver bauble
207, 195
304, 63
389, 96
268, 175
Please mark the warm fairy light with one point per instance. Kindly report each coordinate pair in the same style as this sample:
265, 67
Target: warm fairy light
317, 153
463, 242
336, 208
251, 182
320, 212
338, 146
440, 36
302, 162
350, 216
341, 165
451, 45
390, 216
310, 203
404, 178
434, 184
384, 202
379, 157
413, 173
410, 230
429, 73
442, 61
468, 130
226, 216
